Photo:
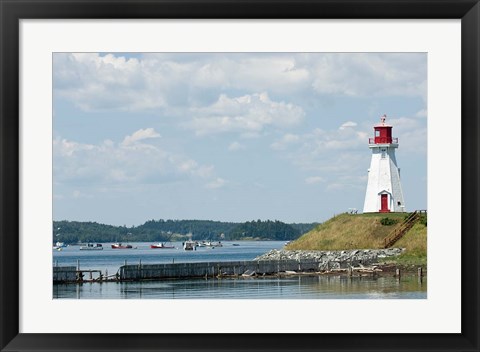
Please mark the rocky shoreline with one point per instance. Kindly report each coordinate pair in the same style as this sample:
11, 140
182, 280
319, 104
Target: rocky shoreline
328, 260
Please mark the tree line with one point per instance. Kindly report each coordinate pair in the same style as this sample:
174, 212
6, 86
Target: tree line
71, 232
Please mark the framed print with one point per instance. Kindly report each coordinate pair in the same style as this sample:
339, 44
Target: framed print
199, 170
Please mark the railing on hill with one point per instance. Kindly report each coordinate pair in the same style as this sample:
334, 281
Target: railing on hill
403, 229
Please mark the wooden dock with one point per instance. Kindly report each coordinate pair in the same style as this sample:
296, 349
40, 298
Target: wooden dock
137, 272
237, 269
213, 269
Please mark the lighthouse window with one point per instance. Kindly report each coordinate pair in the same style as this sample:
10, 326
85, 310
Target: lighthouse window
399, 203
377, 133
383, 153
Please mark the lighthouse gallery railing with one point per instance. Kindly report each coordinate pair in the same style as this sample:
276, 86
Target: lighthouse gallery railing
382, 140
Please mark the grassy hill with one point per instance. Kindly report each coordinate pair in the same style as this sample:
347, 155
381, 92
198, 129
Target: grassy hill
415, 243
361, 231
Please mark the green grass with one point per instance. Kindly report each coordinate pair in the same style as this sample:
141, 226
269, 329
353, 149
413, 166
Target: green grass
347, 231
415, 244
360, 231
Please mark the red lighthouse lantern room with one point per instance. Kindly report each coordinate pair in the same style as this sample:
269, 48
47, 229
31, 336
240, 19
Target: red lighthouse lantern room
383, 133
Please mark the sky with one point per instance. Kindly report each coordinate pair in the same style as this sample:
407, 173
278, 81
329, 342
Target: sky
230, 136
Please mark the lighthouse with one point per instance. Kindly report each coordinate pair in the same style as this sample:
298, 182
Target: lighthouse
384, 191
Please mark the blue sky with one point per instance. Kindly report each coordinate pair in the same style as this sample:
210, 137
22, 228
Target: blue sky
230, 136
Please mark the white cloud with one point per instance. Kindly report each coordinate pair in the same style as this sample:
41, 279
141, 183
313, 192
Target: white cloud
349, 182
246, 114
421, 113
113, 82
127, 162
347, 124
217, 183
236, 146
69, 148
271, 72
411, 133
371, 74
314, 179
331, 153
287, 140
99, 83
342, 156
140, 135
77, 194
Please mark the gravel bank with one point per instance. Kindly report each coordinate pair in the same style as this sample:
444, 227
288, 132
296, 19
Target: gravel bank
333, 259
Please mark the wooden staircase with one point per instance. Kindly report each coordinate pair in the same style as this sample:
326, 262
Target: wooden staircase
403, 228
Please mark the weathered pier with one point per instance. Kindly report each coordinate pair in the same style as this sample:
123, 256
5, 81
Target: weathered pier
275, 262
213, 269
65, 274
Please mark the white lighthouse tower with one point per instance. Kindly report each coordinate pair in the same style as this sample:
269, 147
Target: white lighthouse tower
384, 191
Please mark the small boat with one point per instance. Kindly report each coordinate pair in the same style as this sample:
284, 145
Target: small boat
121, 246
59, 246
190, 245
92, 247
160, 245
213, 244
235, 244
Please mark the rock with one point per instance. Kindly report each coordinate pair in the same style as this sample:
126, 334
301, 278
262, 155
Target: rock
344, 256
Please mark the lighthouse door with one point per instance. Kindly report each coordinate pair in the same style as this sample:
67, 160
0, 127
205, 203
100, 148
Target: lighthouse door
384, 203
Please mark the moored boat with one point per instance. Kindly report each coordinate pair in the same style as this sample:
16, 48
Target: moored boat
189, 245
121, 246
209, 244
59, 245
213, 244
160, 246
92, 247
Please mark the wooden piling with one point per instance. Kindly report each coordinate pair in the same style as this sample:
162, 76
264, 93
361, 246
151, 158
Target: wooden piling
420, 272
397, 273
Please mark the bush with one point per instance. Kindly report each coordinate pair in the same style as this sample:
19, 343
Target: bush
423, 220
388, 221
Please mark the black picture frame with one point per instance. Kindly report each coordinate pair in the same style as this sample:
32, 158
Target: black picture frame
12, 11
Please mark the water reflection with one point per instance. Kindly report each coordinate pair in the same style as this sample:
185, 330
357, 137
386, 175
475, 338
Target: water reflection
301, 287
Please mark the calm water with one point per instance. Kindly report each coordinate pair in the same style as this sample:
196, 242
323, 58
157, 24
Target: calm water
318, 287
111, 259
315, 287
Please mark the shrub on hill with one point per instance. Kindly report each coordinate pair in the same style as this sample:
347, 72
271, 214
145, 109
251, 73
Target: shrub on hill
388, 221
